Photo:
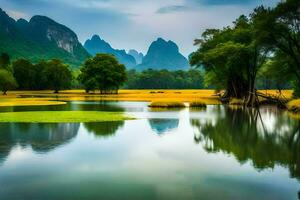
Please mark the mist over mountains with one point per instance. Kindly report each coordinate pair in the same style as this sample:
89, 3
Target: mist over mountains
43, 38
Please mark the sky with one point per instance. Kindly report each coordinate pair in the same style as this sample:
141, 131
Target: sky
134, 24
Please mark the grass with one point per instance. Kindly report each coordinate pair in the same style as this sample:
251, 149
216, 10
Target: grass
198, 104
162, 104
61, 116
49, 98
124, 95
29, 102
294, 106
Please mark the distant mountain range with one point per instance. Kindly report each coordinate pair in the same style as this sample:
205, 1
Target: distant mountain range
137, 56
40, 38
43, 38
97, 45
164, 54
161, 55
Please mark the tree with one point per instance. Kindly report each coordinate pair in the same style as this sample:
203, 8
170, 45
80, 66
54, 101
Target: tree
4, 61
103, 72
231, 57
58, 75
25, 73
40, 80
164, 79
279, 29
7, 81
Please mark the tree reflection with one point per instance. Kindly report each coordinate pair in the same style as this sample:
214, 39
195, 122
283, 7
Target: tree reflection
265, 136
161, 126
42, 138
103, 129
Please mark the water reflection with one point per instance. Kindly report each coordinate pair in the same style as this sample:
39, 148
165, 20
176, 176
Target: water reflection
42, 138
262, 136
103, 129
83, 106
161, 126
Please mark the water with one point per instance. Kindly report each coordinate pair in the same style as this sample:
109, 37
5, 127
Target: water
213, 153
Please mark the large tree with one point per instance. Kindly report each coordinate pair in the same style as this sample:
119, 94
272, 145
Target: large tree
103, 72
7, 81
25, 74
58, 75
231, 57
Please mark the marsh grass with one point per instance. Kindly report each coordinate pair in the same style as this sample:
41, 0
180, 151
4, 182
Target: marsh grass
124, 95
62, 116
198, 104
29, 101
165, 104
294, 106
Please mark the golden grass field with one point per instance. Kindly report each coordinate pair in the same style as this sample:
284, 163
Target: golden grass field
29, 98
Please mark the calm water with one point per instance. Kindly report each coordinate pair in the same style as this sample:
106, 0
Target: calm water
213, 153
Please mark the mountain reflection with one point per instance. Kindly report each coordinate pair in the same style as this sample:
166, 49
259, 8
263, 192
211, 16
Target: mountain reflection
161, 126
263, 136
42, 138
103, 129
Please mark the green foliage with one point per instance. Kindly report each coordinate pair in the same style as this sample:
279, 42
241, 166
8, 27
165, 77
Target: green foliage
51, 74
265, 44
164, 79
275, 73
278, 29
103, 72
7, 81
231, 57
4, 61
25, 74
58, 75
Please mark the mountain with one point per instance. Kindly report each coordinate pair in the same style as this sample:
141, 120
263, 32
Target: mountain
137, 56
164, 54
40, 38
97, 45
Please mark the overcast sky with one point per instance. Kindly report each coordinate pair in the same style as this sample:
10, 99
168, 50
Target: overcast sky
134, 24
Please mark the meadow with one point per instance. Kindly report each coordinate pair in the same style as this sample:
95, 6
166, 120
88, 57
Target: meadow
31, 98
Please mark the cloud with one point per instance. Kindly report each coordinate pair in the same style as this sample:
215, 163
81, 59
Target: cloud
170, 9
16, 14
223, 2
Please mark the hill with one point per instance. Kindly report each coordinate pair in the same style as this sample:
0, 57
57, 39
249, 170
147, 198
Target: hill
97, 45
40, 38
164, 54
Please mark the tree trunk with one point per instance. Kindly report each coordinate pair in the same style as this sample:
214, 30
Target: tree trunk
252, 100
4, 92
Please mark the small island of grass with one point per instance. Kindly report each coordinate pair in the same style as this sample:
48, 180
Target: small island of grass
62, 116
165, 104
